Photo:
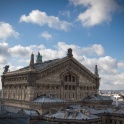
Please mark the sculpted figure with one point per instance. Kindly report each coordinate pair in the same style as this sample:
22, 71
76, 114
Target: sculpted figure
39, 58
6, 68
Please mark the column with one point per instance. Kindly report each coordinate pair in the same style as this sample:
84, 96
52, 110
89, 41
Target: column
30, 93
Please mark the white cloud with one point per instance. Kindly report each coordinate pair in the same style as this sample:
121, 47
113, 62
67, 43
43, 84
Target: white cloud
65, 13
4, 49
95, 49
13, 68
3, 54
21, 60
97, 12
2, 60
22, 54
24, 51
107, 64
112, 81
41, 18
6, 30
46, 35
20, 51
121, 64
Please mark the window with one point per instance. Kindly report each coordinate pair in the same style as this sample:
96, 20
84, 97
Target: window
47, 86
73, 95
52, 95
69, 78
65, 87
87, 88
110, 121
120, 122
73, 79
69, 87
57, 87
65, 78
73, 87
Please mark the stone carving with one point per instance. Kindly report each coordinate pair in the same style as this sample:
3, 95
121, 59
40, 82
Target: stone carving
53, 69
6, 69
39, 58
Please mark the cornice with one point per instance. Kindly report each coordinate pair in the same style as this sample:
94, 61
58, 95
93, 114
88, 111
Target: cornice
19, 72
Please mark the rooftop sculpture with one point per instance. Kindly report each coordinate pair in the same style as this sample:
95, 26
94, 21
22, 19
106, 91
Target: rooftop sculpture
6, 69
39, 58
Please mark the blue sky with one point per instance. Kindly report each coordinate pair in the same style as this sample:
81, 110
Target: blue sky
94, 29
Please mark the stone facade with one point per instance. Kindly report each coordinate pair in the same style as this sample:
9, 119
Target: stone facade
64, 78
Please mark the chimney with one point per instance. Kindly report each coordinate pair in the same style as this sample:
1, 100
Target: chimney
32, 61
69, 54
96, 70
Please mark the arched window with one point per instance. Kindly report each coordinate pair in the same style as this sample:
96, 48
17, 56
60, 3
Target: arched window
70, 78
66, 78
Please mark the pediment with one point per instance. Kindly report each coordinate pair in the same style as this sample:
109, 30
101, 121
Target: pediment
69, 64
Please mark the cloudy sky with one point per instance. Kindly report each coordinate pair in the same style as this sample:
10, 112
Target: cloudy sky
94, 29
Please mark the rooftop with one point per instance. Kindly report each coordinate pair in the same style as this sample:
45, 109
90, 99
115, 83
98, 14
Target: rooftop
46, 99
78, 112
72, 113
97, 98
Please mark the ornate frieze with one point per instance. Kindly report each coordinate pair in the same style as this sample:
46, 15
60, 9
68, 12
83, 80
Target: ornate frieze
47, 86
16, 78
53, 69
